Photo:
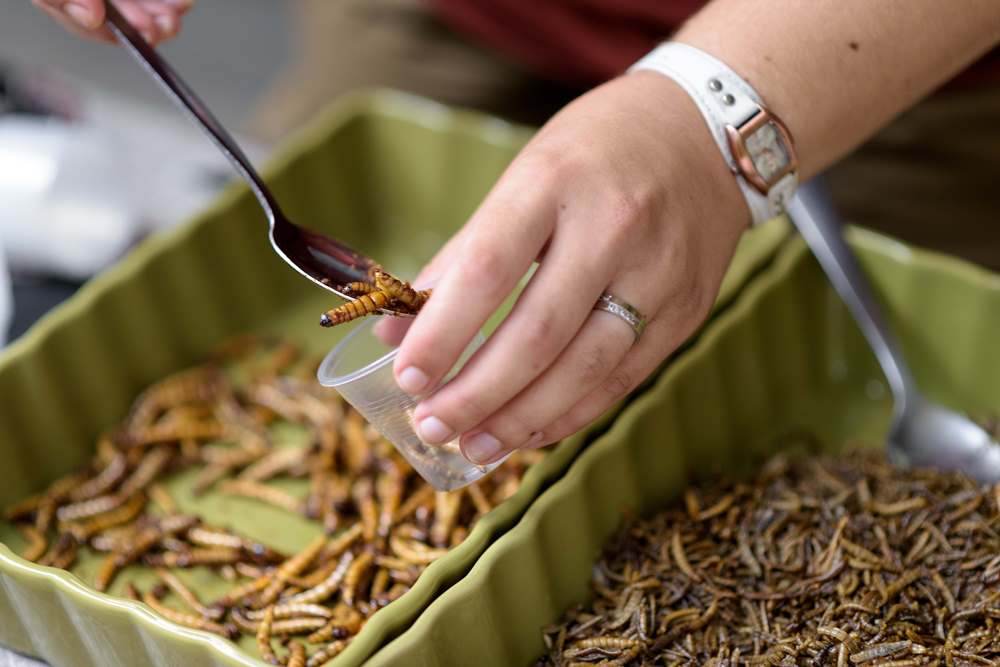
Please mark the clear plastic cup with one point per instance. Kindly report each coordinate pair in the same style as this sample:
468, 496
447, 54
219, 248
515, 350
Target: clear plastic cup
360, 368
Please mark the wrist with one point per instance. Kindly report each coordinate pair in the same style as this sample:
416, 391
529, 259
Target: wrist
692, 149
754, 143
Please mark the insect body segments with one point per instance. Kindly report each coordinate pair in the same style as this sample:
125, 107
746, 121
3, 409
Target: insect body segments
382, 291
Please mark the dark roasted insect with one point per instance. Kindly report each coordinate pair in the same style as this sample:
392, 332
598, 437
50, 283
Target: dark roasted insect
366, 304
818, 561
383, 291
400, 290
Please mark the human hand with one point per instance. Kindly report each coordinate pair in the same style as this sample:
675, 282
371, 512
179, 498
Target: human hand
157, 20
623, 191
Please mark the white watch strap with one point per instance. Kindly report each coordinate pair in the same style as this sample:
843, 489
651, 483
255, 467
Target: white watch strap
723, 99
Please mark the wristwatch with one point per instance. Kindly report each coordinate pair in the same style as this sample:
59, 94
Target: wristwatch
754, 142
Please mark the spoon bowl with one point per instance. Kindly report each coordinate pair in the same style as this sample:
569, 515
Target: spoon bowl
923, 433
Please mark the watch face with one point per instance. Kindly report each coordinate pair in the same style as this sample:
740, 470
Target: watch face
767, 151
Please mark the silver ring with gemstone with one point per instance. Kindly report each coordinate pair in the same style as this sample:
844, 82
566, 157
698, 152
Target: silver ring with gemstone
609, 303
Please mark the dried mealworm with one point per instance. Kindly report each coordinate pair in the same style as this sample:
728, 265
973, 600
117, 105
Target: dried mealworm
36, 542
327, 653
187, 595
315, 577
56, 550
113, 473
292, 610
414, 552
263, 493
328, 586
196, 384
354, 576
606, 642
880, 651
243, 591
366, 304
458, 535
272, 464
379, 582
187, 620
23, 508
400, 290
422, 495
213, 537
342, 542
346, 622
88, 508
356, 448
195, 557
264, 637
102, 522
290, 568
680, 558
901, 583
364, 499
356, 288
446, 507
889, 509
159, 495
479, 499
389, 489
283, 628
280, 360
174, 432
297, 657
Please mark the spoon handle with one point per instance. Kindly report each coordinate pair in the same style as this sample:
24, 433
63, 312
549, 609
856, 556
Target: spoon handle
185, 98
820, 226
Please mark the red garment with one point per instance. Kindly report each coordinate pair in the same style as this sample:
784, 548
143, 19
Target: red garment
585, 42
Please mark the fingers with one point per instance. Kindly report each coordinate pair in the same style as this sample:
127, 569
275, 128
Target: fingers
156, 20
83, 18
597, 350
491, 260
165, 17
548, 314
659, 338
392, 330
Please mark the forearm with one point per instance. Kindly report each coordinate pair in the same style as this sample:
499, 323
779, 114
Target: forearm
838, 70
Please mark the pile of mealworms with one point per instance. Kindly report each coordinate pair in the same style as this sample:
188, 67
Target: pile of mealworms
378, 524
817, 561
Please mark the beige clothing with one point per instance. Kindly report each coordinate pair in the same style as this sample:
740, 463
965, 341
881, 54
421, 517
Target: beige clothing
932, 178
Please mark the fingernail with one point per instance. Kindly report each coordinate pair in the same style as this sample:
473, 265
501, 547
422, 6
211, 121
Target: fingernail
180, 4
149, 36
433, 431
412, 380
165, 23
82, 16
481, 448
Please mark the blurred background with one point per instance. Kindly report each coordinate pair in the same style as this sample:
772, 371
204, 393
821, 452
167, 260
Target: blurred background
93, 157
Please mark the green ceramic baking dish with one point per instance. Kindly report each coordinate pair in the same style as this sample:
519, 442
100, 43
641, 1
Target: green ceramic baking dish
393, 175
785, 358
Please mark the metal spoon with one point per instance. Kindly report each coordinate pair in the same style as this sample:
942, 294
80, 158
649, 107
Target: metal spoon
923, 433
323, 260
